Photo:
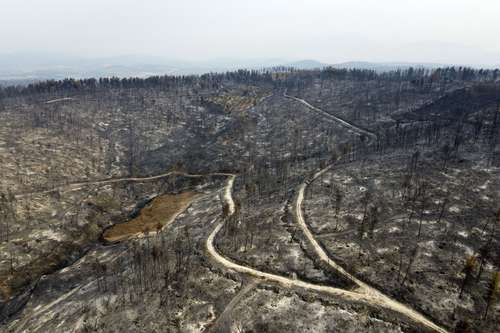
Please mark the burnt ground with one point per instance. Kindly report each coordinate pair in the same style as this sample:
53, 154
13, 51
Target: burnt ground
423, 268
51, 251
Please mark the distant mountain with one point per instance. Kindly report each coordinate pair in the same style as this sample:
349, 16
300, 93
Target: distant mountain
29, 67
306, 64
22, 67
35, 66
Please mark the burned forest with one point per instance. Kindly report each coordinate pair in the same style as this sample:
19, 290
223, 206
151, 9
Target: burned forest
274, 200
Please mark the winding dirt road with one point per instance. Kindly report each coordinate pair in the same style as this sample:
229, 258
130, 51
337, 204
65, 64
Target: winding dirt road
364, 292
373, 295
288, 282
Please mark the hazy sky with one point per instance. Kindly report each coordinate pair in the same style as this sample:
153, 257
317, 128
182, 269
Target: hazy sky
458, 31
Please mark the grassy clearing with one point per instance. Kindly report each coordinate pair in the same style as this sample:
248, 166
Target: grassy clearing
159, 213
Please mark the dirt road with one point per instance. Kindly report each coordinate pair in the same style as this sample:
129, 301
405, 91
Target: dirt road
225, 317
364, 294
342, 122
78, 185
373, 296
256, 273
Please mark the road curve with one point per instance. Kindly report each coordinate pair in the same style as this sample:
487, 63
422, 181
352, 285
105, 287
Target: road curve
366, 294
374, 296
288, 282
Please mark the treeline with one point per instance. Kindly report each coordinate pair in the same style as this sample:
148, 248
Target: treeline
70, 85
279, 77
408, 74
422, 77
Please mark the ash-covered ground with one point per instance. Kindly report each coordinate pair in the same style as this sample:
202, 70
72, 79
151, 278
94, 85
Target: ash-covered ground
407, 203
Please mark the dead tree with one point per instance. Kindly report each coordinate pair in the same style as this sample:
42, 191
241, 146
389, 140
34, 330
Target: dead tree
412, 258
469, 268
484, 254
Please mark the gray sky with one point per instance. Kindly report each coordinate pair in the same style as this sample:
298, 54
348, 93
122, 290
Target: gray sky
446, 31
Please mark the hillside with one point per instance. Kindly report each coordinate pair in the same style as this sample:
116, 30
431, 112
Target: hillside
252, 201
